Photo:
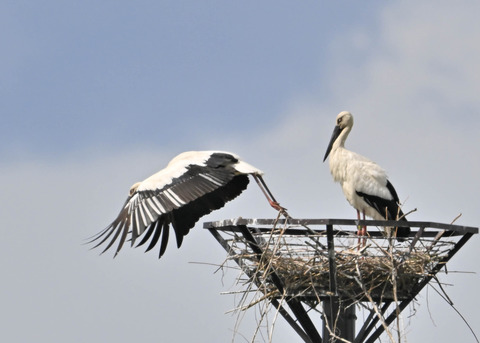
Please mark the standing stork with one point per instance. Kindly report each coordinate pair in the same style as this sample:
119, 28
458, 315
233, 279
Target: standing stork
192, 185
364, 183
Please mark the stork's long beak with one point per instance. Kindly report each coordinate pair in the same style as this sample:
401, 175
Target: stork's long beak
336, 132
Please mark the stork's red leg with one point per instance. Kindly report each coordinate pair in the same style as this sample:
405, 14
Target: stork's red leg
359, 232
364, 228
364, 231
271, 200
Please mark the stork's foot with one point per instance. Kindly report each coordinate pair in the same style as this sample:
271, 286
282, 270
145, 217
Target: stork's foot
362, 233
277, 206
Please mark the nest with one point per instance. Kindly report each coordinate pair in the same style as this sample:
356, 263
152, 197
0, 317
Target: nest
295, 272
309, 277
375, 268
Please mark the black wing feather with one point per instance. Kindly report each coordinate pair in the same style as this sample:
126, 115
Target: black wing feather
148, 233
388, 209
156, 235
163, 244
199, 191
115, 236
184, 218
123, 237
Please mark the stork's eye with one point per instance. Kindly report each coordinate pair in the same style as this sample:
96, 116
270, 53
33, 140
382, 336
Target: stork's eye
339, 120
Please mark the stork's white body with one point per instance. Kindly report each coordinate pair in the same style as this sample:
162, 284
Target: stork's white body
364, 183
356, 173
178, 166
192, 185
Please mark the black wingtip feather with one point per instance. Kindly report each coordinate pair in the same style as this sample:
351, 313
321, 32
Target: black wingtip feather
147, 234
126, 224
105, 234
206, 199
163, 244
156, 234
114, 238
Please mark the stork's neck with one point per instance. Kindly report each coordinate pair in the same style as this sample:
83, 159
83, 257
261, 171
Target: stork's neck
340, 141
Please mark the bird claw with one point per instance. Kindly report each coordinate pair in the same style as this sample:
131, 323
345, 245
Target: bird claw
362, 233
277, 206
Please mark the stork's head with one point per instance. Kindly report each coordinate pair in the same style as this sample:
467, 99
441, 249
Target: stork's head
134, 188
343, 125
344, 120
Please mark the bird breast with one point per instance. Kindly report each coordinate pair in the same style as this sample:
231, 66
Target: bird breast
356, 173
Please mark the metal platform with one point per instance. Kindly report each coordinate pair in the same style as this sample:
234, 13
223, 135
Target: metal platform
304, 263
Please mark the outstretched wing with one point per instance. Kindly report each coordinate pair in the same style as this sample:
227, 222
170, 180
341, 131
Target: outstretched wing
178, 202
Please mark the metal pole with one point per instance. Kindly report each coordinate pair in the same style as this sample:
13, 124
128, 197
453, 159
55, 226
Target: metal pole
338, 315
340, 321
294, 303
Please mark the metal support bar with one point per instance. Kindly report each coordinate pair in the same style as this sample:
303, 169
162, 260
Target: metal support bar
274, 302
294, 304
340, 320
370, 323
331, 260
339, 316
457, 229
420, 286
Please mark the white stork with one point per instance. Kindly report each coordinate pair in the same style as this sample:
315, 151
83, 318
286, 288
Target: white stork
364, 183
192, 185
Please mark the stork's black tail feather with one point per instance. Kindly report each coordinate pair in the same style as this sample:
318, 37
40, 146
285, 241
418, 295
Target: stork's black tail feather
388, 209
395, 212
402, 231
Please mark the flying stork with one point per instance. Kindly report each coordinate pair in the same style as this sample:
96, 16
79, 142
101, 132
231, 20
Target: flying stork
192, 185
364, 183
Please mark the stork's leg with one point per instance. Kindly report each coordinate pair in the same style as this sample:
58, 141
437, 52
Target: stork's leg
359, 232
271, 199
364, 228
364, 231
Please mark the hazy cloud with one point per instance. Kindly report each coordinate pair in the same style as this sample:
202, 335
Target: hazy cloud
411, 81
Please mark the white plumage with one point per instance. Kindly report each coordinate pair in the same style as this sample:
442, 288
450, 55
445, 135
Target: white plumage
192, 185
364, 183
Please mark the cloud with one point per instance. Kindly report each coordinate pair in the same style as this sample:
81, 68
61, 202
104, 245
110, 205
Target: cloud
411, 84
416, 105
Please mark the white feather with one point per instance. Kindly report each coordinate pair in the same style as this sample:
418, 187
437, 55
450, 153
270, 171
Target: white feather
356, 173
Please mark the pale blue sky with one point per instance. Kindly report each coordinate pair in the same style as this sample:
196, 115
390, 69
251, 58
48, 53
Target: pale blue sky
107, 73
98, 95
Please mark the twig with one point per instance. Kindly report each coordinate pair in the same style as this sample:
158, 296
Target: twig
380, 272
375, 308
458, 312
